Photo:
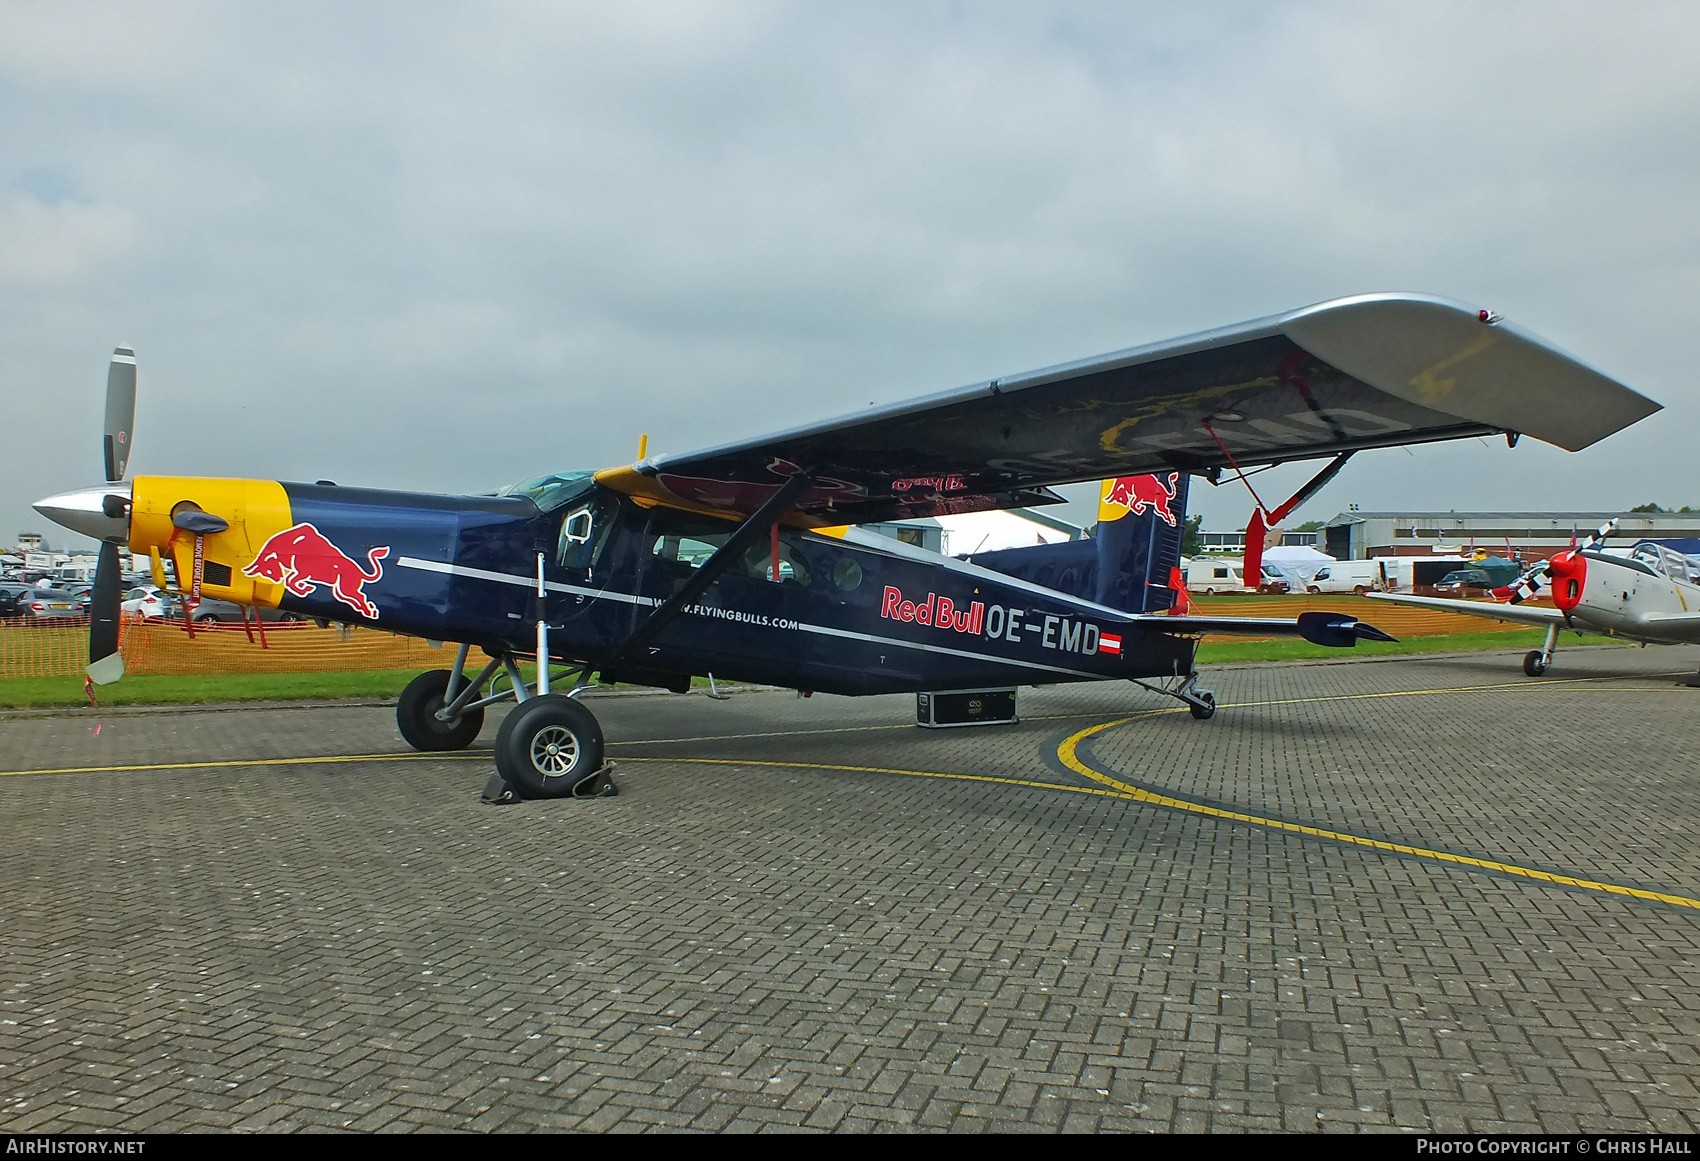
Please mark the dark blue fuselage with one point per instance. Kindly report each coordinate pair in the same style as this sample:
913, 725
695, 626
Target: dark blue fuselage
843, 616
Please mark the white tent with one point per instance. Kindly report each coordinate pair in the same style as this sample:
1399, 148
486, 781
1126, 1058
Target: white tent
1301, 560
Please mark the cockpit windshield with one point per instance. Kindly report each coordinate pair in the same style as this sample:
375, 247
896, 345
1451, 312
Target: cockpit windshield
1662, 560
553, 490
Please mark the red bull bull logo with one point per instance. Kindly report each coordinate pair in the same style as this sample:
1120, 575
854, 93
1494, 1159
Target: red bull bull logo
302, 558
1139, 494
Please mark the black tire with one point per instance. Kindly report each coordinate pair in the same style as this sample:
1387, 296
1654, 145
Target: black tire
523, 755
1533, 663
207, 619
416, 715
1205, 708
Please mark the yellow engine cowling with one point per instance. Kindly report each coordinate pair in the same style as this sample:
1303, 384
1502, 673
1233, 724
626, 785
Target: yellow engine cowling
257, 510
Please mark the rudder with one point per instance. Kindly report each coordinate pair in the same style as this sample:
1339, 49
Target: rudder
1140, 523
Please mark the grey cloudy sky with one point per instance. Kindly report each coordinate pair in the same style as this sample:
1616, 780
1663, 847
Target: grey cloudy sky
446, 246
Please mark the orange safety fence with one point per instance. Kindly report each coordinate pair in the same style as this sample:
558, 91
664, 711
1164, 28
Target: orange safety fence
60, 648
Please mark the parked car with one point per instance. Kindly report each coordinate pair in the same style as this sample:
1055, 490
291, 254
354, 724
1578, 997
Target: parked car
149, 601
47, 603
1464, 582
9, 597
213, 612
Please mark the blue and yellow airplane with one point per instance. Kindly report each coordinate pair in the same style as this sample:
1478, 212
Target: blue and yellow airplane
746, 561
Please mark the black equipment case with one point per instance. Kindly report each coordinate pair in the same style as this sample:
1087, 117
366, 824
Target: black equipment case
965, 707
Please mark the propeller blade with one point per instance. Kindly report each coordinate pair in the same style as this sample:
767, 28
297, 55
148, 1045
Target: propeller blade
120, 412
1600, 535
105, 663
1531, 582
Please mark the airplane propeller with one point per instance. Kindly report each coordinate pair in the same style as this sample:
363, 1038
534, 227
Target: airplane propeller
106, 664
1531, 582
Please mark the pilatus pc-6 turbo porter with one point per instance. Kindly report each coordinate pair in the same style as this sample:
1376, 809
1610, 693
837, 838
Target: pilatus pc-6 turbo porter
745, 561
1648, 596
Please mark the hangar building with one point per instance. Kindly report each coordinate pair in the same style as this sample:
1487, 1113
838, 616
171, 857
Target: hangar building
1532, 535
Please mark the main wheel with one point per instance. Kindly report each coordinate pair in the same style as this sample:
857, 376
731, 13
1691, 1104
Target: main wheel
1533, 663
547, 746
1205, 707
416, 715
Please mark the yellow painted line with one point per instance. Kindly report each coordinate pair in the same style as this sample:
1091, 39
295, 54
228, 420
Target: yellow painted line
1068, 753
884, 770
235, 763
1547, 683
822, 730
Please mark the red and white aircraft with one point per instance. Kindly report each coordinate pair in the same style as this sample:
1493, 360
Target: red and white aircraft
1648, 596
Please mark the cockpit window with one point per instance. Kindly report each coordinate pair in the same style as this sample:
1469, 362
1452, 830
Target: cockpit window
554, 490
584, 530
1648, 554
689, 542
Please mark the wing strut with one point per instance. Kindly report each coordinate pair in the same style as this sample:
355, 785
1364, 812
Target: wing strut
746, 534
1257, 528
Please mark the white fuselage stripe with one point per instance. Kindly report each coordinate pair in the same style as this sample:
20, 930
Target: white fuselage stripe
524, 582
507, 578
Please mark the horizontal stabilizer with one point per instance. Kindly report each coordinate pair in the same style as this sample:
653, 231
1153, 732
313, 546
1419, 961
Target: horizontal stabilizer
1335, 630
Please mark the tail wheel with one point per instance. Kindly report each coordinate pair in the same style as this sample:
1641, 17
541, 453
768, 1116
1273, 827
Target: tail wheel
1205, 707
416, 715
548, 746
1533, 663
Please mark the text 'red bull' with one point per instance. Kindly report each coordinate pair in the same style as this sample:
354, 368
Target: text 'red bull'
302, 557
940, 612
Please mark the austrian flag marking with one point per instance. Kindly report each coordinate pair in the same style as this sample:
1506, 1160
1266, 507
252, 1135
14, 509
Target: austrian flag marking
1110, 643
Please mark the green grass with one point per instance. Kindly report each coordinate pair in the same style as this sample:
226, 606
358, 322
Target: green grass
1228, 653
34, 692
28, 692
37, 692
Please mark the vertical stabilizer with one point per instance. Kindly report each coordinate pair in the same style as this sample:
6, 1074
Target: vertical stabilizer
1140, 522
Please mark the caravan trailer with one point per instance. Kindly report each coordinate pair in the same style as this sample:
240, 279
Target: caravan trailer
78, 572
1221, 574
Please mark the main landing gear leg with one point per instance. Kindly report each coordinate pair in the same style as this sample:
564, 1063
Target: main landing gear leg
550, 746
1201, 702
1535, 662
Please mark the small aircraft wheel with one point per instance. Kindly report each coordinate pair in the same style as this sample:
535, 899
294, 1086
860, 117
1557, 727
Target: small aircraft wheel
547, 746
1205, 707
1533, 663
416, 715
